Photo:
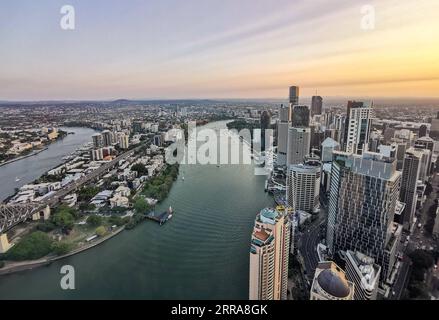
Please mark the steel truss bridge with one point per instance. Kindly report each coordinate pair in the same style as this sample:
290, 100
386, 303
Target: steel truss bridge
13, 214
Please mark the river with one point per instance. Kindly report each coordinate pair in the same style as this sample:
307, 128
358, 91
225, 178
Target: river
31, 168
202, 253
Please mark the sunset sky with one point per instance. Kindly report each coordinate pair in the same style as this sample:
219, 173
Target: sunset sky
173, 49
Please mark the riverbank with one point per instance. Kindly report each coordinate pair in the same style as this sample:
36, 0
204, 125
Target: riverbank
34, 153
13, 267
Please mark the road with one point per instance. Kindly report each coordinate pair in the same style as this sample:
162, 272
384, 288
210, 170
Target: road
308, 242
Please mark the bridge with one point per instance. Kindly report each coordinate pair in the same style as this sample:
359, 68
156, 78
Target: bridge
13, 214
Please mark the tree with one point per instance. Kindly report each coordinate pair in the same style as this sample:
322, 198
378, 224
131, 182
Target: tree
101, 231
116, 220
33, 246
421, 259
46, 226
87, 207
140, 168
63, 219
141, 206
94, 220
87, 193
61, 248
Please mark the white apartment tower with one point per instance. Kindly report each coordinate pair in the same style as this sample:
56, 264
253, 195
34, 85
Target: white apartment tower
269, 252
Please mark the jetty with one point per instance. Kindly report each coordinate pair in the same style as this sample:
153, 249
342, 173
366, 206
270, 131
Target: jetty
161, 218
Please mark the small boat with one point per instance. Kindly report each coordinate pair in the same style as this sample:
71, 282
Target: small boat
17, 179
182, 178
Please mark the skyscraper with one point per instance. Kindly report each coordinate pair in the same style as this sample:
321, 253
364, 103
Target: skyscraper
427, 143
299, 142
269, 252
423, 131
327, 148
358, 126
300, 116
107, 138
124, 142
303, 187
410, 175
316, 105
364, 273
294, 96
282, 135
330, 283
265, 124
363, 196
98, 141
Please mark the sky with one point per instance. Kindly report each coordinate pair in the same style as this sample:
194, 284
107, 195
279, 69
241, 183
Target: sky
175, 49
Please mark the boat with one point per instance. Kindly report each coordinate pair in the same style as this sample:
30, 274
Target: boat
17, 179
182, 178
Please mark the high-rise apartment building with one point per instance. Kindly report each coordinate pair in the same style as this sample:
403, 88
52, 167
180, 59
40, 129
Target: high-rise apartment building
107, 138
330, 283
364, 273
98, 141
269, 252
364, 191
357, 127
316, 105
124, 141
303, 187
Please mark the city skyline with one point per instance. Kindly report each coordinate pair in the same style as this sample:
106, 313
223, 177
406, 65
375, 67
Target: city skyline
166, 50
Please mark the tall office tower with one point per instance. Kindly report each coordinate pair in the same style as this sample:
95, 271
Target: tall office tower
363, 196
317, 137
316, 105
330, 283
434, 128
303, 187
294, 96
339, 125
124, 142
299, 143
282, 135
423, 131
428, 144
107, 138
98, 141
401, 148
327, 148
410, 175
265, 124
358, 126
364, 273
269, 252
300, 116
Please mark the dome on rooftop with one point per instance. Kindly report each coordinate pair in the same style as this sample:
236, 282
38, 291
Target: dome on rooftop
333, 284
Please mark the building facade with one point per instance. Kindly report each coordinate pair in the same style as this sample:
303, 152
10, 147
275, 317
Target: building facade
269, 252
363, 196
